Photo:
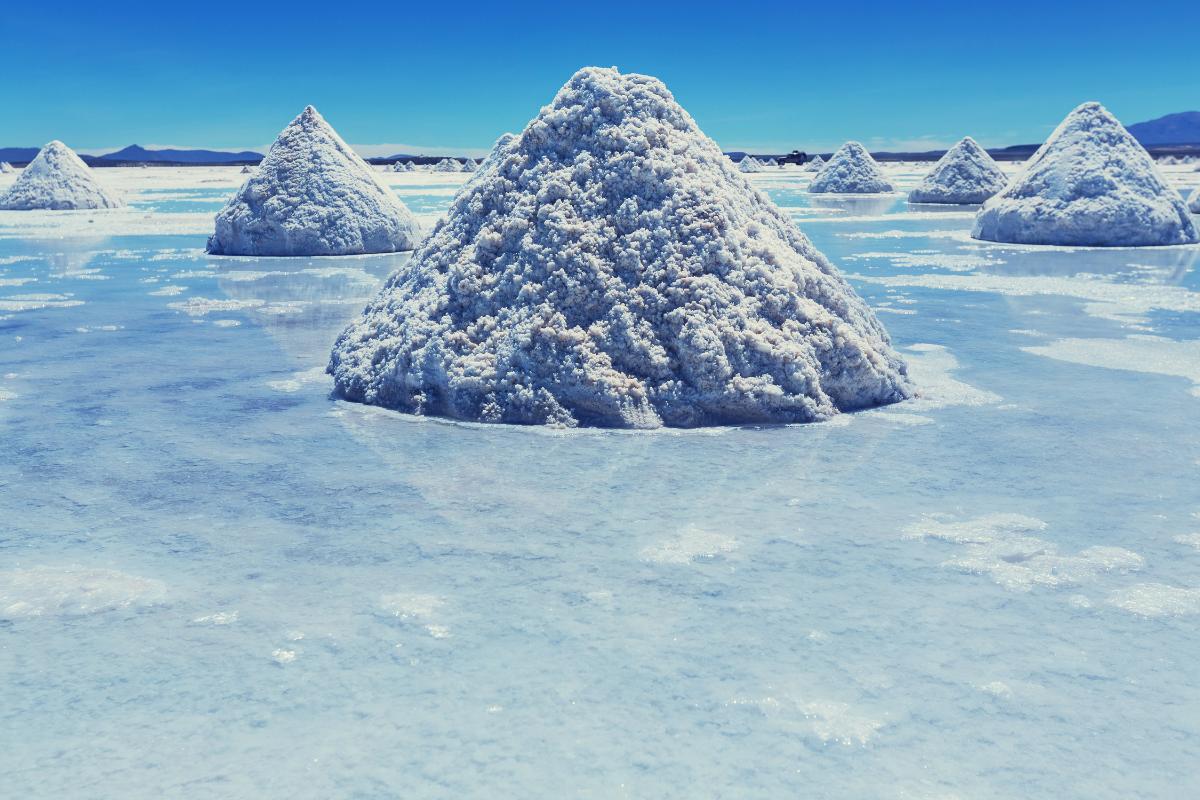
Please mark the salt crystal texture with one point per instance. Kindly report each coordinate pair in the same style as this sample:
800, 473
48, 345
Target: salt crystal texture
612, 268
965, 175
57, 180
1090, 184
313, 196
1194, 203
851, 170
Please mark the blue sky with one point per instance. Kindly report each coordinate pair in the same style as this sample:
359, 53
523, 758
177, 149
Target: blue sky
758, 76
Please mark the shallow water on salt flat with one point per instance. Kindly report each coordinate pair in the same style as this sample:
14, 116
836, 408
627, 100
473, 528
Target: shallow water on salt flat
217, 582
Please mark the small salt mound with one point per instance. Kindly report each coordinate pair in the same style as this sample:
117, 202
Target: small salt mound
966, 174
447, 165
610, 267
313, 196
1090, 184
58, 180
851, 170
816, 165
6, 168
750, 164
468, 165
246, 170
399, 167
1194, 203
771, 163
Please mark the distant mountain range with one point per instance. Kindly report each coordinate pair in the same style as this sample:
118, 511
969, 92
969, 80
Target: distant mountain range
1180, 130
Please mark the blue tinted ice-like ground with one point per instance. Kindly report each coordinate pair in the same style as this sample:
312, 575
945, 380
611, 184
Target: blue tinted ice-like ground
218, 582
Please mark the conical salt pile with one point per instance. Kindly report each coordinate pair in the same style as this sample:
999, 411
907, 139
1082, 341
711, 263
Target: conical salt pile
57, 180
851, 170
750, 164
399, 167
469, 165
447, 165
6, 168
1194, 203
771, 163
313, 196
246, 170
1090, 184
612, 268
816, 165
965, 175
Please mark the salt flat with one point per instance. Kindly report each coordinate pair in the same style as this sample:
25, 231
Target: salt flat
219, 582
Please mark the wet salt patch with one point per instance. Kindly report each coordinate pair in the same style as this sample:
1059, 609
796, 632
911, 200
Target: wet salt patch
1156, 600
930, 367
416, 608
284, 308
1148, 354
99, 328
1119, 302
226, 323
690, 544
888, 310
73, 591
118, 222
170, 255
997, 689
169, 291
1189, 539
999, 546
7, 395
283, 656
955, 262
829, 721
300, 379
199, 306
218, 618
194, 273
1025, 332
897, 234
34, 302
16, 281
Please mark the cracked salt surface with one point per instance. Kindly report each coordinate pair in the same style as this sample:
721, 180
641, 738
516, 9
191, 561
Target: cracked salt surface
739, 603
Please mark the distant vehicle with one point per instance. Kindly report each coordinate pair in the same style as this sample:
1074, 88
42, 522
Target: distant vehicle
794, 157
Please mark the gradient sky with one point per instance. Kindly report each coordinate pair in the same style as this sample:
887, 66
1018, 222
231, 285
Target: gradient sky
757, 76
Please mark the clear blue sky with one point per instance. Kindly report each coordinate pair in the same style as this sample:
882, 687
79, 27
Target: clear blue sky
759, 76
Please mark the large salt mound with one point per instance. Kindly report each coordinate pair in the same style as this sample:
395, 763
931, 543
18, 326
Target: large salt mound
1090, 184
58, 180
966, 174
313, 196
851, 170
612, 268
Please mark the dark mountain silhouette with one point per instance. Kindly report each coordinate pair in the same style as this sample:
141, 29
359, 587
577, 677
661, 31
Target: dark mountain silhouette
1181, 128
140, 155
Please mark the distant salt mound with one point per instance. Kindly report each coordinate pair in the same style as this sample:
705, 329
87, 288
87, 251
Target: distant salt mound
610, 267
1090, 184
965, 175
313, 196
6, 168
771, 163
469, 165
851, 170
447, 165
750, 164
57, 180
246, 170
816, 165
399, 167
1194, 203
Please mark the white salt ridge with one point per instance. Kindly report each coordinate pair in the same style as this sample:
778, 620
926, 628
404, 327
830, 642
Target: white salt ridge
313, 196
1090, 184
1149, 354
612, 268
1156, 600
965, 175
57, 180
73, 591
1001, 546
851, 170
750, 164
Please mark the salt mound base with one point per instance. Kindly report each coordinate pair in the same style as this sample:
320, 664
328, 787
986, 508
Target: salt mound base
1090, 184
851, 170
750, 164
965, 175
313, 196
57, 180
611, 267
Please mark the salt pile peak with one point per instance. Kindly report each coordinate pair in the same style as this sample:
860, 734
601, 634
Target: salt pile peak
58, 180
610, 267
750, 164
1090, 184
851, 170
965, 175
313, 196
